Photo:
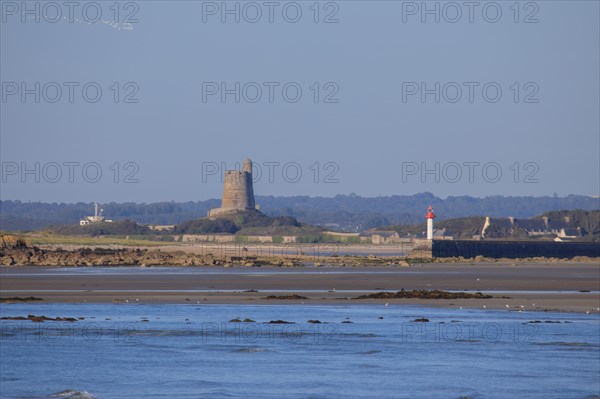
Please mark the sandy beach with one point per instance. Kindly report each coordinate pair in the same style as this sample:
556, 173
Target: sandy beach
562, 286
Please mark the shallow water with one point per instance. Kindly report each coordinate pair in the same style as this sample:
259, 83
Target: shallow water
473, 353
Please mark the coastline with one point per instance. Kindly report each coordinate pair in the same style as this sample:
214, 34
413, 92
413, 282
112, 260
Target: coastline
248, 255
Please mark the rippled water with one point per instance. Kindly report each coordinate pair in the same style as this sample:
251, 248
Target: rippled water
194, 351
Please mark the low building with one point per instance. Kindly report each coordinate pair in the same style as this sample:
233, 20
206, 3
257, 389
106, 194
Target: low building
533, 227
497, 227
380, 237
555, 226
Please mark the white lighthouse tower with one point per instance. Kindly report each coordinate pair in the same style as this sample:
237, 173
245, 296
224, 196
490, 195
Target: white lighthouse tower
430, 216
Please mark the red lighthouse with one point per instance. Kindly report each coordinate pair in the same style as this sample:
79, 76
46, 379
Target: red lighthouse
430, 216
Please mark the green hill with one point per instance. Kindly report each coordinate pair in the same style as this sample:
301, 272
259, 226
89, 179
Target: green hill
120, 227
251, 222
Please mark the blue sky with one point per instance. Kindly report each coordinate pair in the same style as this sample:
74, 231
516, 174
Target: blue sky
366, 133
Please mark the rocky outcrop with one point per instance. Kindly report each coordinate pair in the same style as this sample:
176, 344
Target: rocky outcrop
286, 297
19, 255
11, 242
39, 319
19, 299
424, 294
73, 394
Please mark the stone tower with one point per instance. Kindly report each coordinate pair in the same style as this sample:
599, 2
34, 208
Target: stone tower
238, 193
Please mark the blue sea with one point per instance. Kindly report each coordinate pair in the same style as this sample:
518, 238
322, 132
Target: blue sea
134, 350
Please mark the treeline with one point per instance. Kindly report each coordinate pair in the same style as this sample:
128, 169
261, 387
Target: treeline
342, 212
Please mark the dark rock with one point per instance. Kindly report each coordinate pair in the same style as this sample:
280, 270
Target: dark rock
286, 297
545, 321
424, 294
39, 319
19, 299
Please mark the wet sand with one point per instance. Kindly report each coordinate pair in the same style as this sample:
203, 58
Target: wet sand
536, 286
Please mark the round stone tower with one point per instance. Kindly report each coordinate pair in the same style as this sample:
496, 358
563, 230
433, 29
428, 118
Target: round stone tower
238, 193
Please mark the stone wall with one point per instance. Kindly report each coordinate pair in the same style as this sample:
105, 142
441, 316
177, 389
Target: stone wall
208, 237
514, 249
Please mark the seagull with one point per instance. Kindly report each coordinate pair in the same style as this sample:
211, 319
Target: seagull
484, 306
127, 300
137, 300
386, 304
461, 308
477, 279
507, 306
588, 312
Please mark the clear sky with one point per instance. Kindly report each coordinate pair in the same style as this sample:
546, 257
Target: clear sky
370, 130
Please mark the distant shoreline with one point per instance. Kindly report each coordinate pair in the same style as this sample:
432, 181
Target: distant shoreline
18, 253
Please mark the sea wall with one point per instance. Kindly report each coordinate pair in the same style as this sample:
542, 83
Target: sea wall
513, 249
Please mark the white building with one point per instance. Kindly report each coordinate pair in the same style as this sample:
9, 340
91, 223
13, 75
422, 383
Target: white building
97, 218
